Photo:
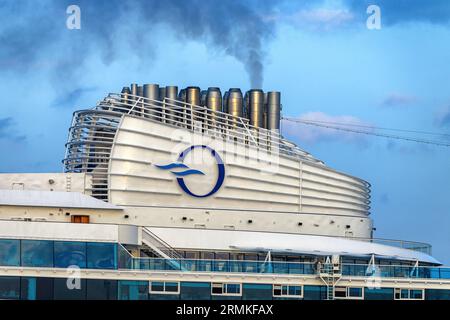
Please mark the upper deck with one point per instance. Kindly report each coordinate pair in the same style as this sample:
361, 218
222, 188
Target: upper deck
121, 142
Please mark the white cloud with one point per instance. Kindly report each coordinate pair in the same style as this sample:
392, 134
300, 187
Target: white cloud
316, 19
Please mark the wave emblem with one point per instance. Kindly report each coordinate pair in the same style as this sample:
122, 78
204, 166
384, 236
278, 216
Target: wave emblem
183, 171
179, 165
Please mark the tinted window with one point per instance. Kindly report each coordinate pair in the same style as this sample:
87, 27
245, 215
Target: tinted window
379, 294
315, 292
257, 291
195, 291
101, 289
133, 290
404, 293
437, 294
233, 288
416, 294
172, 286
101, 255
37, 253
70, 253
355, 292
9, 287
61, 291
9, 252
157, 286
36, 288
295, 291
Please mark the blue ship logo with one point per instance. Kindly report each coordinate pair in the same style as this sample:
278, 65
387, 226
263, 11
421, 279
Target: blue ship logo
178, 165
186, 171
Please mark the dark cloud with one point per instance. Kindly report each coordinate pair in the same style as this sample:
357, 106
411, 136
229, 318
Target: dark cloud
401, 11
34, 35
8, 132
398, 100
72, 97
408, 148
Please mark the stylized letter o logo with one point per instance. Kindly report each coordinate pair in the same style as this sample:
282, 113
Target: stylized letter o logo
220, 167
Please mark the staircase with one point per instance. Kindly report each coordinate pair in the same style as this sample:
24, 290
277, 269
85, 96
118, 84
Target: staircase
162, 249
330, 273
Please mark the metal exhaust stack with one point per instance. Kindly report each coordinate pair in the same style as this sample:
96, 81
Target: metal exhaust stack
262, 109
213, 102
203, 94
193, 99
256, 108
225, 102
171, 92
151, 92
140, 93
193, 95
273, 110
134, 92
235, 103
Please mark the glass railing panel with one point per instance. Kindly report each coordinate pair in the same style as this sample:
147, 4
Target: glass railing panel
221, 266
280, 267
250, 266
125, 258
277, 267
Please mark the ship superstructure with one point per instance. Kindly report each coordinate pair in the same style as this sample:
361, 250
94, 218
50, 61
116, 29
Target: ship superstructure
181, 194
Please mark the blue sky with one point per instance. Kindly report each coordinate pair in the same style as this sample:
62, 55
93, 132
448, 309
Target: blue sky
319, 54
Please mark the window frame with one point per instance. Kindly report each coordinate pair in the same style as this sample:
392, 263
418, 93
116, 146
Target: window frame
287, 295
399, 292
347, 290
224, 289
164, 287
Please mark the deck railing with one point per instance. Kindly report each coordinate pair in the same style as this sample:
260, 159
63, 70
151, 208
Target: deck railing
278, 267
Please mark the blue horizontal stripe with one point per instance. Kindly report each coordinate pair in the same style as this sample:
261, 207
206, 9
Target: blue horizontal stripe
172, 166
187, 172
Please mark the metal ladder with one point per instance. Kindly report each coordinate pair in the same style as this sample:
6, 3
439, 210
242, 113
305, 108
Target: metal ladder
330, 273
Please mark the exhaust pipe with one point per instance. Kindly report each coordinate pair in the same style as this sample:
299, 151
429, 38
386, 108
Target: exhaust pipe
273, 110
171, 92
256, 108
151, 95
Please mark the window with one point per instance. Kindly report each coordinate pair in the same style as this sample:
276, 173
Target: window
161, 287
61, 291
253, 291
9, 288
36, 288
195, 291
9, 252
408, 294
378, 293
79, 219
226, 289
133, 290
101, 255
314, 292
70, 253
349, 293
101, 289
37, 253
288, 291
